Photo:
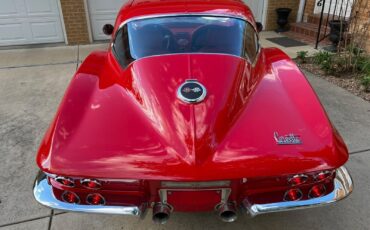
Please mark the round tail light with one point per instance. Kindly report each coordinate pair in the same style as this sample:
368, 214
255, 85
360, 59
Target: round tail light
91, 184
323, 175
298, 180
317, 191
70, 197
293, 195
65, 181
95, 199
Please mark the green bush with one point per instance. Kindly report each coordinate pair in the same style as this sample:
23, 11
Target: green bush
321, 57
363, 64
302, 56
365, 81
325, 60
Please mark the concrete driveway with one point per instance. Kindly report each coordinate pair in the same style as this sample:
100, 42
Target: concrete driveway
32, 82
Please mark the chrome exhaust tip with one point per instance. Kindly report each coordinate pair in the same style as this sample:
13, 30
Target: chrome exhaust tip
161, 213
227, 212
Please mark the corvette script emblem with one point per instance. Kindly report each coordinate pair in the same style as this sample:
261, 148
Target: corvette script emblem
290, 139
191, 92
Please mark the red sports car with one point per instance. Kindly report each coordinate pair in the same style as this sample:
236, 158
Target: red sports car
186, 112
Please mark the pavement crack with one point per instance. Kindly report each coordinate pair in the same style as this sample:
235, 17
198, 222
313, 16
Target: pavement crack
24, 221
359, 151
51, 219
38, 65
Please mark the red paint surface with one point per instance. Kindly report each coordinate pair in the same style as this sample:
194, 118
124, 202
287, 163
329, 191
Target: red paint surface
129, 124
116, 123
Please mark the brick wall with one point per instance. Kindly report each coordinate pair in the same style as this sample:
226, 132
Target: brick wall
75, 21
364, 21
309, 8
272, 15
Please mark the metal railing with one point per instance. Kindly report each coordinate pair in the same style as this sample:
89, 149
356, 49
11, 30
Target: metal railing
335, 10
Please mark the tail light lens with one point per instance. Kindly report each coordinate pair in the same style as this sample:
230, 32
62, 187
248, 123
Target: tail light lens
70, 197
317, 191
65, 181
323, 175
293, 195
298, 180
95, 199
91, 184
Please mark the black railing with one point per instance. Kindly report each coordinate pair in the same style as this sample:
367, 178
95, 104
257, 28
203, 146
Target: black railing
337, 10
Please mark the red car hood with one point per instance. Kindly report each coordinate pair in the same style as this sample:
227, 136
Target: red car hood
130, 124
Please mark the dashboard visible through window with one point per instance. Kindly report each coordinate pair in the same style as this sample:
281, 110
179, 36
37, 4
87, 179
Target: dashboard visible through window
184, 34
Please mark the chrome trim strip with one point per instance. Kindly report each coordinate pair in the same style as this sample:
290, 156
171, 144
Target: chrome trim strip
129, 181
205, 184
189, 53
43, 194
180, 15
343, 186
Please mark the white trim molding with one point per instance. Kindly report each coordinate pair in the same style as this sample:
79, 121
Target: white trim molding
88, 22
300, 13
62, 21
264, 13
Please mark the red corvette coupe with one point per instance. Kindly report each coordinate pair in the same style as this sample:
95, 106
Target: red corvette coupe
187, 113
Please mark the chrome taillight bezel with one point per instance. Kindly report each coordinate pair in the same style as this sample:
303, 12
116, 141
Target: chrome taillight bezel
78, 198
58, 179
329, 172
296, 189
84, 181
296, 176
94, 194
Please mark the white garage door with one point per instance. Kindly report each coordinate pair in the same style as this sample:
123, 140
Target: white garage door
30, 22
257, 7
101, 13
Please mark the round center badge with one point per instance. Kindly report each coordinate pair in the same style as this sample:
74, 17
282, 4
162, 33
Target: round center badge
191, 92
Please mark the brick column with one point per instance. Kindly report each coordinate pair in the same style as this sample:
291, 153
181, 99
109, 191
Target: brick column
310, 7
272, 15
75, 21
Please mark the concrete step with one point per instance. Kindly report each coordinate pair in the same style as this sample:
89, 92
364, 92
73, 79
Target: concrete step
308, 29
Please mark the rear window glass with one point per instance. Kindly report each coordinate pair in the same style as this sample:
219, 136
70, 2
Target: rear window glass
181, 34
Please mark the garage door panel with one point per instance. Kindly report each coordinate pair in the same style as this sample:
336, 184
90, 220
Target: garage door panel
14, 33
30, 22
10, 8
41, 8
98, 24
101, 13
42, 31
257, 8
105, 7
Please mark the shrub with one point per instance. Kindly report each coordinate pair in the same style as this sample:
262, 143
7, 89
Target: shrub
365, 81
363, 64
325, 60
302, 56
321, 57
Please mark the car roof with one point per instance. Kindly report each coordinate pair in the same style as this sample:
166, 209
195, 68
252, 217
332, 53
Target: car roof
147, 8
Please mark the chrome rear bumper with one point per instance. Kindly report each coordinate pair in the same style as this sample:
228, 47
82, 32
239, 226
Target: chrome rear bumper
343, 186
43, 193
